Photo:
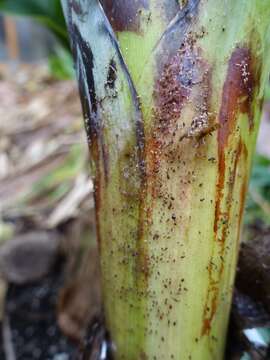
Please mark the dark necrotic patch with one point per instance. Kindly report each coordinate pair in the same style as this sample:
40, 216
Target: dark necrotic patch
88, 62
85, 64
112, 75
95, 136
124, 15
87, 57
76, 6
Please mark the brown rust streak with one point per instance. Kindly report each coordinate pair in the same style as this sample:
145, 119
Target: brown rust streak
238, 95
124, 15
213, 289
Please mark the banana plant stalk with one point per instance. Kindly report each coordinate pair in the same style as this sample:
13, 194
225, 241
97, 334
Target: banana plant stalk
172, 95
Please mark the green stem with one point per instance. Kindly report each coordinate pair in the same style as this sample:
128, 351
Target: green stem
172, 100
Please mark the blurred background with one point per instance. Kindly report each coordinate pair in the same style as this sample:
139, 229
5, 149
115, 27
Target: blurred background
46, 205
49, 287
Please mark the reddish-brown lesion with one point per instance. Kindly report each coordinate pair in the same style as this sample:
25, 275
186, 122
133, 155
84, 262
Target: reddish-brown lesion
243, 76
239, 96
185, 79
124, 15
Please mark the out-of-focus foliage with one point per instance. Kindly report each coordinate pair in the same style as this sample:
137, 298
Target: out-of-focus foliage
47, 12
56, 184
258, 201
267, 91
61, 64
